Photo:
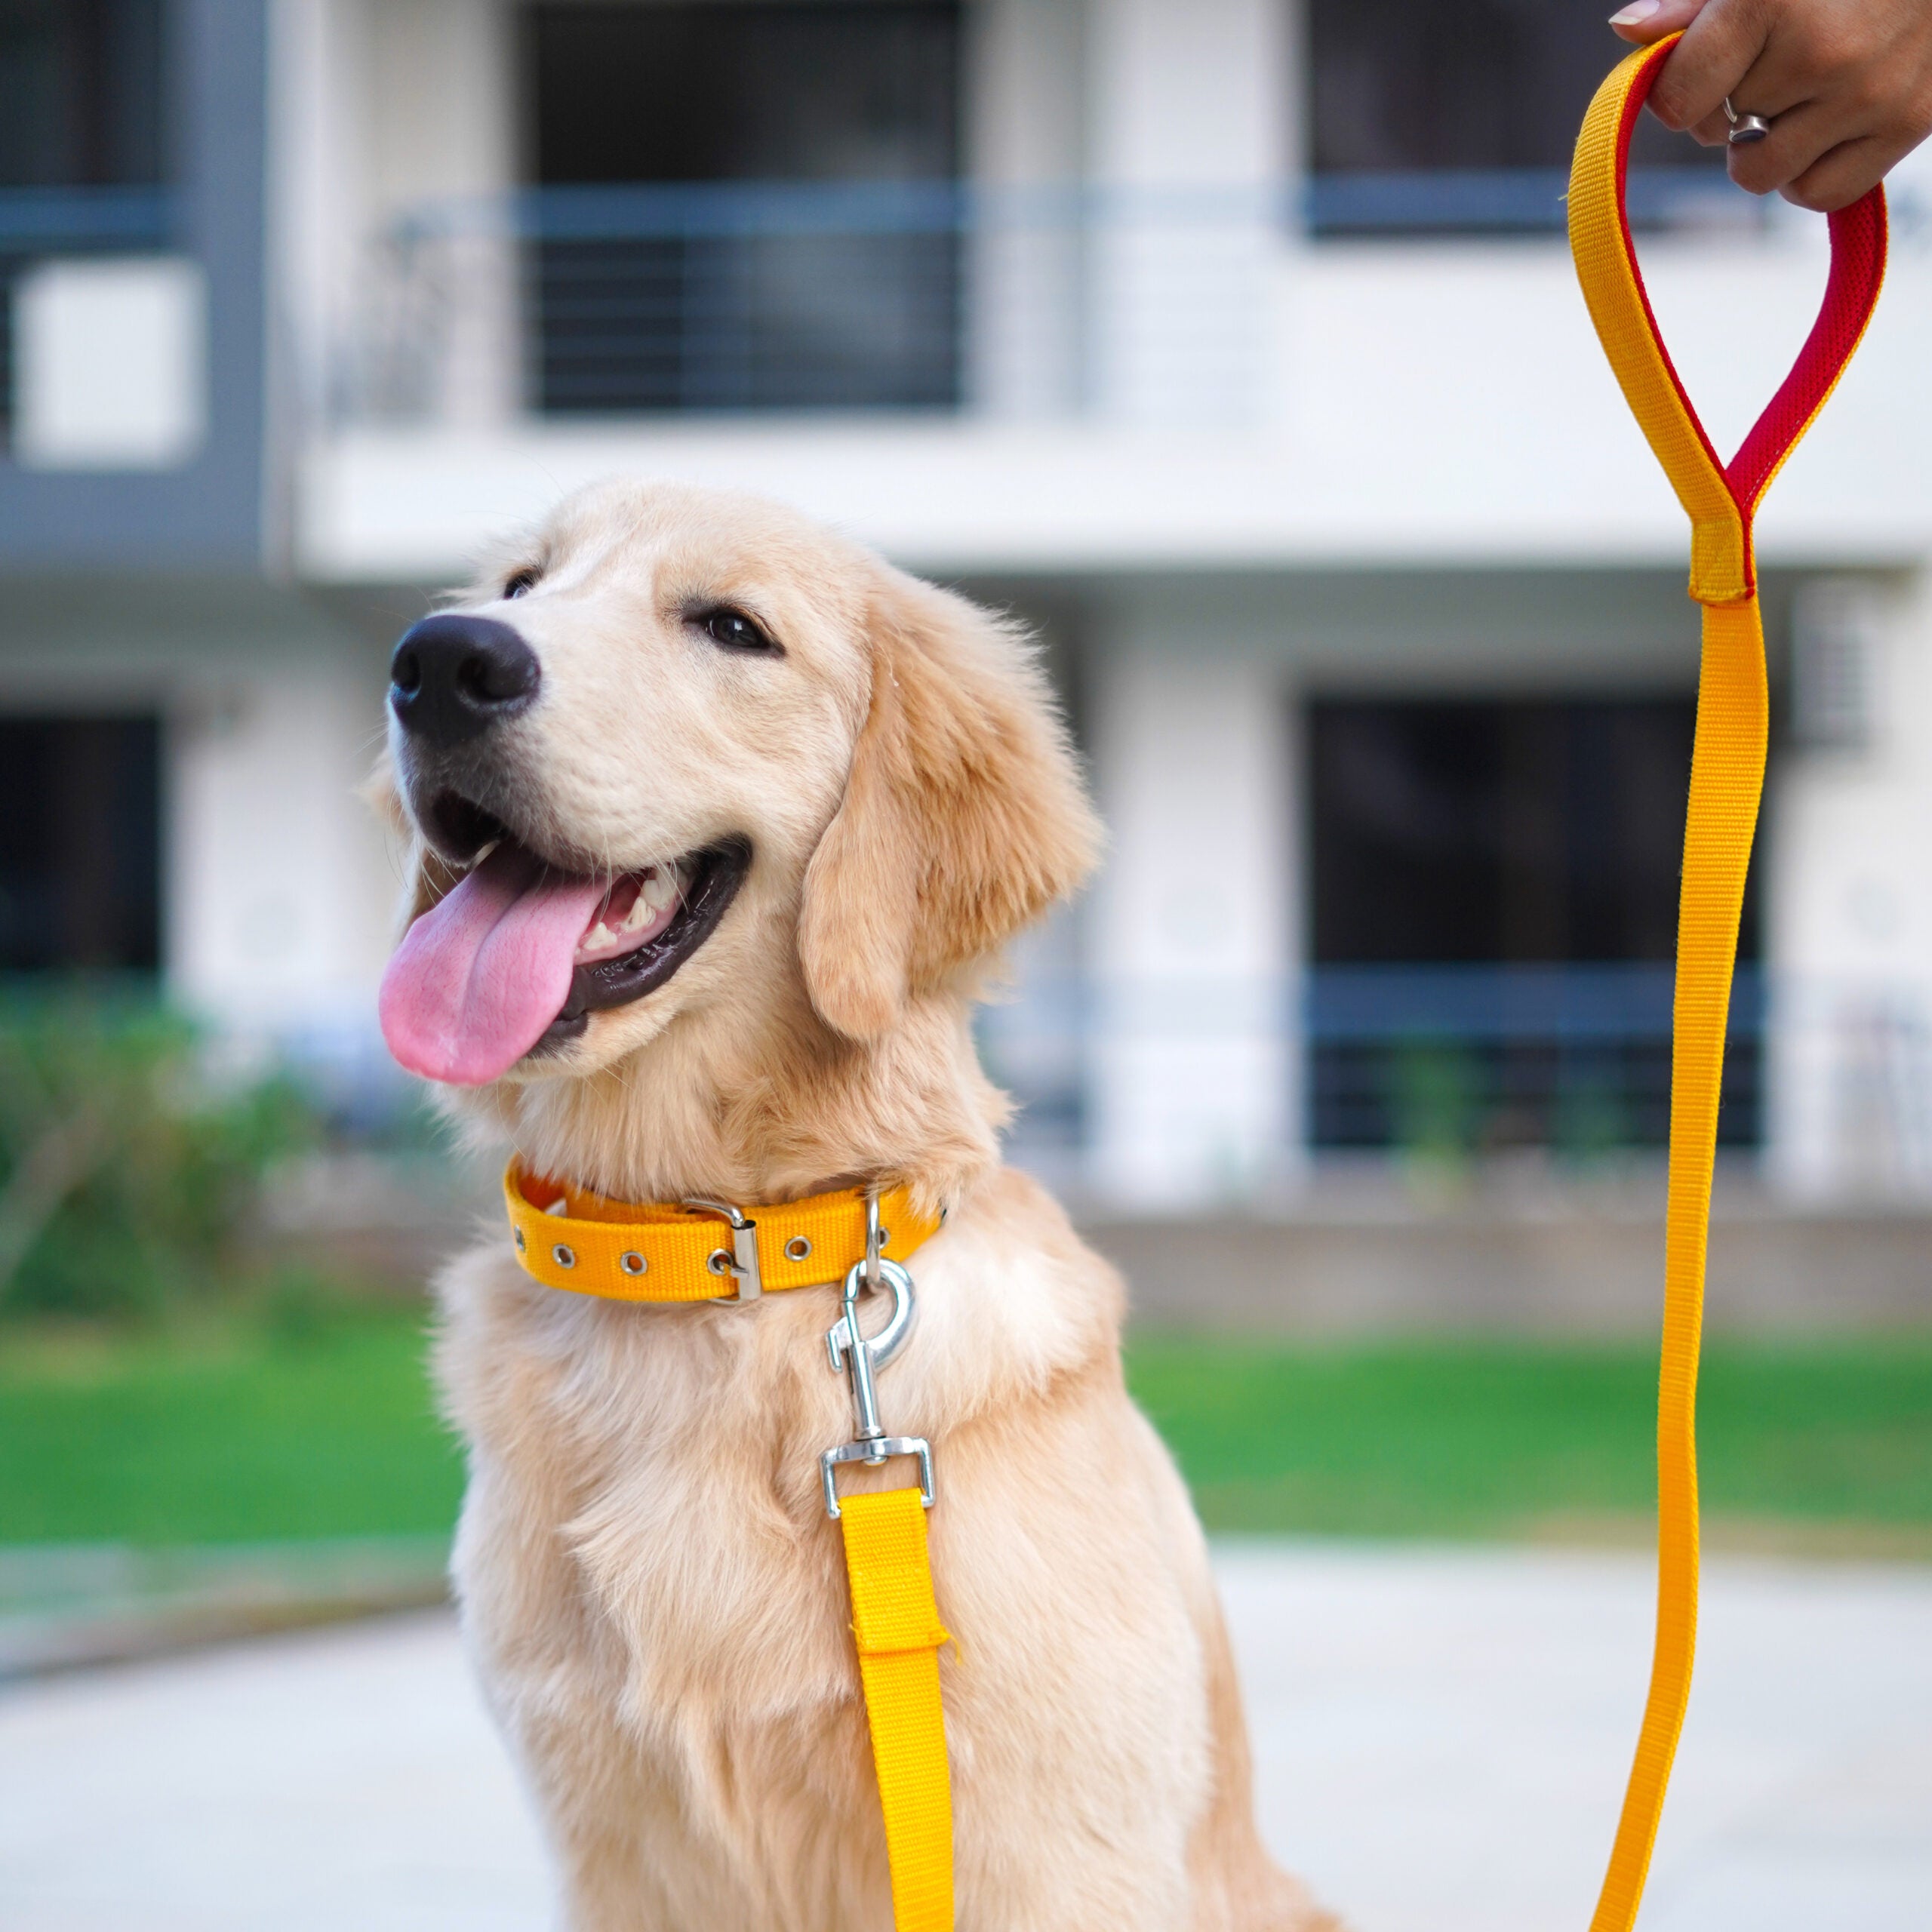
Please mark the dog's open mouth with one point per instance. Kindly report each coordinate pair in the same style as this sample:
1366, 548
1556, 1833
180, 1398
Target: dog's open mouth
519, 956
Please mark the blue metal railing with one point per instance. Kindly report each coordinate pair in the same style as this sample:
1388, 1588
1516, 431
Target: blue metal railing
1448, 1057
67, 220
1508, 200
854, 295
1569, 1003
1461, 1057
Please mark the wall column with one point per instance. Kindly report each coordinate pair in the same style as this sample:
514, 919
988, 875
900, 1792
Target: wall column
279, 889
1194, 1059
1848, 851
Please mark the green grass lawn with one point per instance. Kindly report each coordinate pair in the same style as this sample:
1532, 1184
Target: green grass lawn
245, 1437
241, 1437
1818, 1445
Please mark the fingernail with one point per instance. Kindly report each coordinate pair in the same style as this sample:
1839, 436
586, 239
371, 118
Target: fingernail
1636, 14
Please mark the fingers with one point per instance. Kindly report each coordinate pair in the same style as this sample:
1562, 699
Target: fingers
1719, 49
1643, 22
1846, 84
1842, 174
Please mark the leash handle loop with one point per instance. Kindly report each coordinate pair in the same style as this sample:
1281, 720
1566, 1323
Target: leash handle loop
1727, 780
1720, 498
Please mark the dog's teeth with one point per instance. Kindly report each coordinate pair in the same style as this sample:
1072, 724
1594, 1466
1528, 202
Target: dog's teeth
659, 892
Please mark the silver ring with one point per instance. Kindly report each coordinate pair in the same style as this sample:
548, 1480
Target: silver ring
1745, 128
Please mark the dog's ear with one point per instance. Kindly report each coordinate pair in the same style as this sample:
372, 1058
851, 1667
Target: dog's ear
428, 878
963, 817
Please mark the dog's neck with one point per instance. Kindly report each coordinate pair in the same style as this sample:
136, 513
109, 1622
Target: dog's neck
790, 1109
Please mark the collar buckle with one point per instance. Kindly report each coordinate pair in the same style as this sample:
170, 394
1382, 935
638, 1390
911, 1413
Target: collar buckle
741, 1262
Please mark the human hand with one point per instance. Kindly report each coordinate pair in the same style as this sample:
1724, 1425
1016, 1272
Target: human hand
1846, 84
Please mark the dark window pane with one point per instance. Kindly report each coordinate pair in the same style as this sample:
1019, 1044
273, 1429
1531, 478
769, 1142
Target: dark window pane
80, 844
1427, 118
80, 93
1402, 84
732, 93
761, 300
1494, 897
1530, 832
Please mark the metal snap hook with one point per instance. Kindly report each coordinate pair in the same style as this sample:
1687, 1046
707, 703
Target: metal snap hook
861, 1356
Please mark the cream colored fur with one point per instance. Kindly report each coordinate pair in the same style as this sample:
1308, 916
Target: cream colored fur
652, 1593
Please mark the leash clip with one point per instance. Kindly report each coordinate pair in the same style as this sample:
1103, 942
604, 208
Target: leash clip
860, 1356
741, 1264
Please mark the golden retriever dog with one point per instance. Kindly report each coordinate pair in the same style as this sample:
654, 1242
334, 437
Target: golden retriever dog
719, 824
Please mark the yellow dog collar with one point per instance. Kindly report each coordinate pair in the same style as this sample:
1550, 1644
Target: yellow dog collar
697, 1250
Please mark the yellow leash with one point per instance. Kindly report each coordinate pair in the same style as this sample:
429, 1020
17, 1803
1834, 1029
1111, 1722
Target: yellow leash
1727, 777
896, 1625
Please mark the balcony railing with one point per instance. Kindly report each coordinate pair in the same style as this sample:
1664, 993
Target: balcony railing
1137, 303
1455, 1059
64, 221
815, 296
1514, 201
1466, 1058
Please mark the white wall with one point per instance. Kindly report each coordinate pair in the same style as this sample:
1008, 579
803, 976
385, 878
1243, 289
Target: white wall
1194, 1081
1025, 138
279, 887
1848, 854
382, 107
1188, 118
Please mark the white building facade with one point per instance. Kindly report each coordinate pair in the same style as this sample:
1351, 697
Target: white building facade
1207, 336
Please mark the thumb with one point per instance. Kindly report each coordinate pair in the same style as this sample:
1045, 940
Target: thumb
1643, 22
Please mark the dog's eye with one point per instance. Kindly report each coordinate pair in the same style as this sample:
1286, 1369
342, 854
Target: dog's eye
733, 629
520, 583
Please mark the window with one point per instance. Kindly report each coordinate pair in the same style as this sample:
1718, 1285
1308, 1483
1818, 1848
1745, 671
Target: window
1433, 118
782, 235
1494, 889
80, 844
80, 93
81, 137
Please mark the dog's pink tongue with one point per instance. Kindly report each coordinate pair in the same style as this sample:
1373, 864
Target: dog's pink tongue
477, 978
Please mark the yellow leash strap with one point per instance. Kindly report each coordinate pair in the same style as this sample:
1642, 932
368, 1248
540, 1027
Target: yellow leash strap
692, 1251
1727, 777
896, 1625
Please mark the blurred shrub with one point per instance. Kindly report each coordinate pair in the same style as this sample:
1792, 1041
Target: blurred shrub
1435, 1098
127, 1169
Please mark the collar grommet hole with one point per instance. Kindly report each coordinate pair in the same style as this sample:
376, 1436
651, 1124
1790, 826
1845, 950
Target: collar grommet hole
563, 1257
797, 1249
632, 1263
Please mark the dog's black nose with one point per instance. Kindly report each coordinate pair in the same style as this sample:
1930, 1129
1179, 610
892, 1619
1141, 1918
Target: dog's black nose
453, 677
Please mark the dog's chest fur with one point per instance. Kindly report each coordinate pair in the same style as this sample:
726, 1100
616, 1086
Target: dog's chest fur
658, 1598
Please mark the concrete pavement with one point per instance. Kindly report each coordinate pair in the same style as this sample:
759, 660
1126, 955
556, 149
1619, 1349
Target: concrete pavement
1442, 1736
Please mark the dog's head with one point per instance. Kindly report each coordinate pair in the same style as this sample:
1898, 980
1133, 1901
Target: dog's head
685, 749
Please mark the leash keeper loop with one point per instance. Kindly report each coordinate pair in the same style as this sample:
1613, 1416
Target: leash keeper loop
1727, 780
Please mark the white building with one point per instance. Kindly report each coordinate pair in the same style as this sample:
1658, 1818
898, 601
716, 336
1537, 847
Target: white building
1235, 342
